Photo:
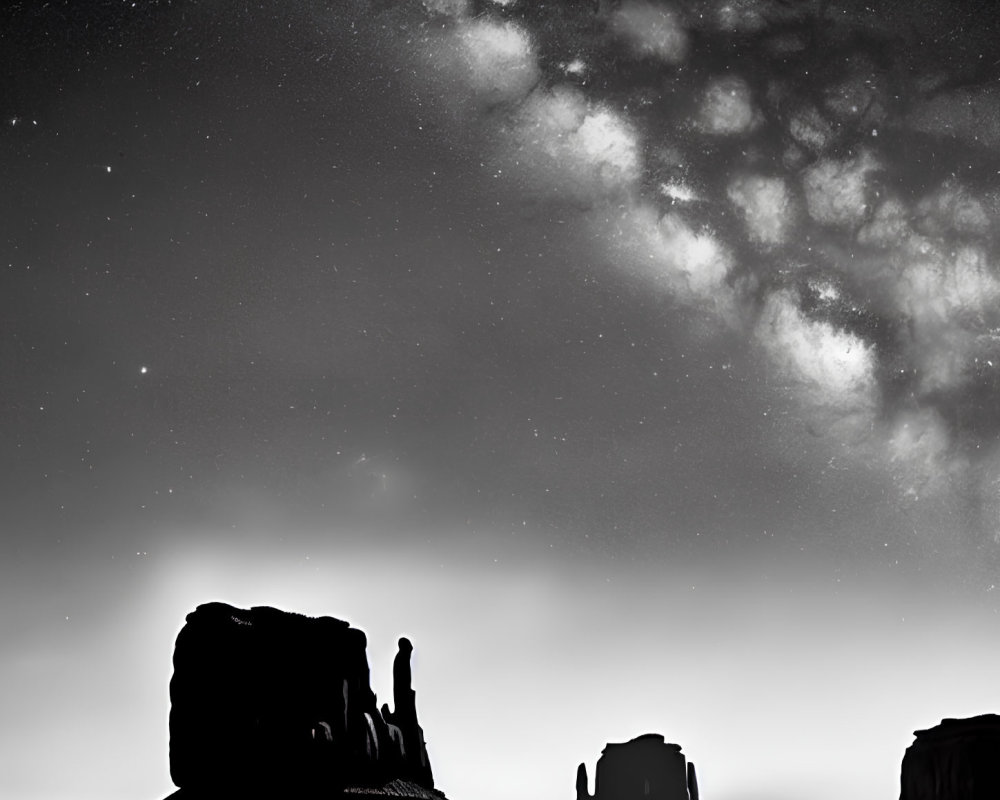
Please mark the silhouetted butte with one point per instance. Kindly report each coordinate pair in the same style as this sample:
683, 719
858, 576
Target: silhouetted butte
267, 704
644, 768
956, 760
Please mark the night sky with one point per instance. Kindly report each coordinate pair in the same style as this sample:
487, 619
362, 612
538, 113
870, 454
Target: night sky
639, 361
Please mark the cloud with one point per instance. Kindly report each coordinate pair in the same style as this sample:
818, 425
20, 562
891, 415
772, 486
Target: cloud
572, 144
888, 227
697, 255
690, 265
810, 129
604, 140
651, 31
952, 209
825, 366
951, 302
725, 108
836, 191
474, 66
918, 450
767, 208
962, 286
500, 59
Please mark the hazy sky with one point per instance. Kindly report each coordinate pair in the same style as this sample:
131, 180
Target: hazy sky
639, 361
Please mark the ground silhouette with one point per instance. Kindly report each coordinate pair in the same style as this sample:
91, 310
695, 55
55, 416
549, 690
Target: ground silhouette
956, 760
272, 704
267, 703
644, 768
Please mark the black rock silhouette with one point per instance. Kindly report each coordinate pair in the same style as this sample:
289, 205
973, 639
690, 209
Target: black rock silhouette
403, 726
692, 782
644, 768
956, 760
266, 703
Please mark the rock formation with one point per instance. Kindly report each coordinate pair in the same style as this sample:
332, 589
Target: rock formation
403, 721
956, 760
644, 768
269, 703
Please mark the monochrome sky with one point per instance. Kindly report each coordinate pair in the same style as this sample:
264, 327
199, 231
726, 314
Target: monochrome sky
640, 361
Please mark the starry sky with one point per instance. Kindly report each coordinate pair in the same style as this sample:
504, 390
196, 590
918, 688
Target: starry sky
640, 361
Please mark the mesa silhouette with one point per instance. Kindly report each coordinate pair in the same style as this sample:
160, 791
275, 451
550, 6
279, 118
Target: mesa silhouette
268, 704
641, 768
956, 760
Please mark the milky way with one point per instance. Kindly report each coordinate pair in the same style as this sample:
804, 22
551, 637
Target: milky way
794, 171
